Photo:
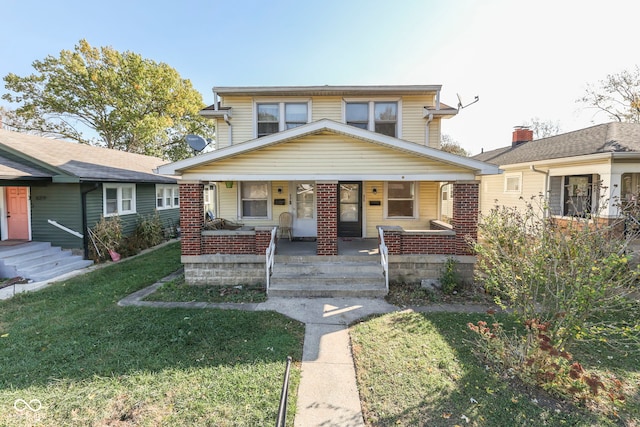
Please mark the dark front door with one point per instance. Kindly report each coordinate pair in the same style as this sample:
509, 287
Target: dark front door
350, 209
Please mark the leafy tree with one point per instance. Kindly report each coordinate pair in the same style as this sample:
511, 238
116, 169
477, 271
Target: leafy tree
448, 144
543, 128
121, 100
618, 96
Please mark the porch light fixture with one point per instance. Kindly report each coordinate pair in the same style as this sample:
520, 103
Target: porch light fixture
229, 184
279, 190
374, 190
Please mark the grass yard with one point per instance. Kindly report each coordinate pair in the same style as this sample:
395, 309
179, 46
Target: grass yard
86, 361
178, 290
417, 369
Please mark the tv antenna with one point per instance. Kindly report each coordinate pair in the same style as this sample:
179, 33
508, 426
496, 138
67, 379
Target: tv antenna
461, 106
196, 142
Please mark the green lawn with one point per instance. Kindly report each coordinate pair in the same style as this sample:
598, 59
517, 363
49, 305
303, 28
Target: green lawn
178, 290
89, 362
419, 370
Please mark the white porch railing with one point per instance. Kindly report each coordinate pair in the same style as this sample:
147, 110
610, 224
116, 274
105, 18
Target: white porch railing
270, 257
384, 258
63, 228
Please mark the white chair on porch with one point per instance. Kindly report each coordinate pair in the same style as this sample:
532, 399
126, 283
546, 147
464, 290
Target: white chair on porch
286, 225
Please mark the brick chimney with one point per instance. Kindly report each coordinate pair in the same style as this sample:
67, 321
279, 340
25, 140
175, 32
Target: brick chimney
521, 134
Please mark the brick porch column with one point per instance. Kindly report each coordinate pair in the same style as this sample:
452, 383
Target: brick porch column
191, 217
327, 207
465, 214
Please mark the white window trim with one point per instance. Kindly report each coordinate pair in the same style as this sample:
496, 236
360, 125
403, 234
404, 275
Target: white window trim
239, 193
371, 101
119, 210
173, 190
281, 103
416, 191
517, 175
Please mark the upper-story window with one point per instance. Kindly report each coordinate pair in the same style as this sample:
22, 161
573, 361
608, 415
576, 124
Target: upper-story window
376, 116
278, 116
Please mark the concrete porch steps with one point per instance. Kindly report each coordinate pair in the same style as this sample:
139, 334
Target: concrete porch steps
38, 261
318, 276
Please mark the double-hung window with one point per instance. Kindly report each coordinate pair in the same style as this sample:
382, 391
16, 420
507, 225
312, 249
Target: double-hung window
274, 117
119, 199
167, 197
376, 116
401, 199
254, 199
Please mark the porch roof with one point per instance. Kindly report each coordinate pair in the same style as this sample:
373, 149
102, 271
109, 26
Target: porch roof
438, 165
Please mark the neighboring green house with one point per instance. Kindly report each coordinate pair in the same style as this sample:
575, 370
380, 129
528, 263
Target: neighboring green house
53, 190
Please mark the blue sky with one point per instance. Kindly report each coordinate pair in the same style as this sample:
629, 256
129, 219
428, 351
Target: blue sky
524, 59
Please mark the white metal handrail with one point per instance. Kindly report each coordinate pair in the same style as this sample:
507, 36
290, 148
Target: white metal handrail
384, 258
63, 228
270, 257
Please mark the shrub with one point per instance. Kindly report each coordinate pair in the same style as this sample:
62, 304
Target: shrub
566, 277
104, 236
449, 276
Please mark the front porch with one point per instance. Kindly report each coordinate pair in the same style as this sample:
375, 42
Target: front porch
328, 264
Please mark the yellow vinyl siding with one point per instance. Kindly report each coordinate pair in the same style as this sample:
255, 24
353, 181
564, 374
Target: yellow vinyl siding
413, 122
241, 120
326, 154
435, 129
327, 107
492, 190
323, 107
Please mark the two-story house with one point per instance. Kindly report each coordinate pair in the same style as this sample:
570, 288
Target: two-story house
346, 162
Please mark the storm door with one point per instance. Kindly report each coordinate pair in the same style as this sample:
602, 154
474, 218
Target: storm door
349, 209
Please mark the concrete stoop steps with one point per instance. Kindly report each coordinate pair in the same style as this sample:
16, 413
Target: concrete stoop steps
301, 277
38, 261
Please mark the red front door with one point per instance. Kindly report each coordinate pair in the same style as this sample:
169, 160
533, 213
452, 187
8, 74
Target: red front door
17, 213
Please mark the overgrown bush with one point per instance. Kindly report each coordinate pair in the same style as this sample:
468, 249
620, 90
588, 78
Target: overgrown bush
564, 276
104, 236
149, 232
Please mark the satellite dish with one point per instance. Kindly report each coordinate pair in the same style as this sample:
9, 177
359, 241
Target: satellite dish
196, 142
460, 106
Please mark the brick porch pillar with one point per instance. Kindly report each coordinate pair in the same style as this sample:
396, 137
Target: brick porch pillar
191, 217
465, 214
327, 208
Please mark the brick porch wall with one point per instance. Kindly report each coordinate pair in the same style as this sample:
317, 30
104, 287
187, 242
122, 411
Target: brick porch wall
465, 214
441, 240
229, 244
327, 208
191, 218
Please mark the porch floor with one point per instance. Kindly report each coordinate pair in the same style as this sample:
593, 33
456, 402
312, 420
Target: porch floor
347, 246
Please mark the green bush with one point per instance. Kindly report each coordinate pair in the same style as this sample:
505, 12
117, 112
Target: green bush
449, 276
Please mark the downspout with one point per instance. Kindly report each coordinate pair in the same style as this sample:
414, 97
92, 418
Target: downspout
83, 202
228, 122
426, 131
546, 182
